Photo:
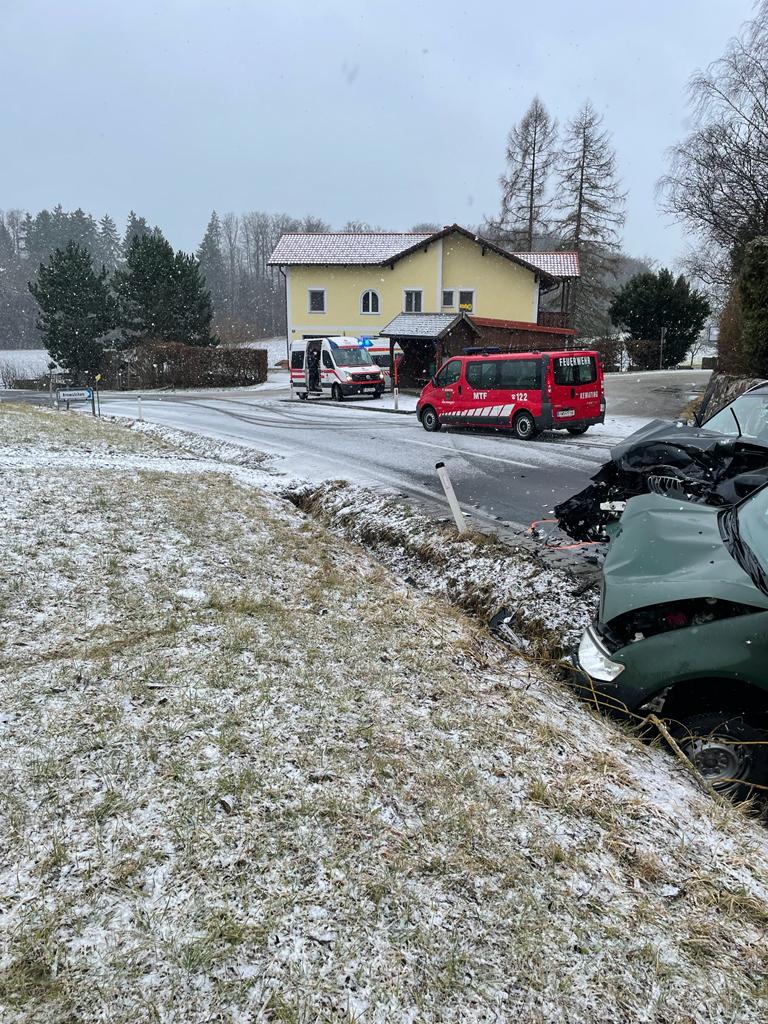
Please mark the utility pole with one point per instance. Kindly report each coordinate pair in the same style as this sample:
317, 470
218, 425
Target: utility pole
661, 348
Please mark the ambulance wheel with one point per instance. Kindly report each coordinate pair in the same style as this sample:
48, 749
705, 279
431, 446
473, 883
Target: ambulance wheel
378, 394
578, 430
429, 419
303, 395
523, 426
336, 393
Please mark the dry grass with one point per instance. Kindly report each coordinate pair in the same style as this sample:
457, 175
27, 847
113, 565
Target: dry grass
248, 775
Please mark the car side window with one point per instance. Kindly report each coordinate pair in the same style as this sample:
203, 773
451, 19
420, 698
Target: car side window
519, 373
483, 374
327, 360
449, 374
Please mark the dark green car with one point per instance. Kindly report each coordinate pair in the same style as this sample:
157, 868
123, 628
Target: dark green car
682, 629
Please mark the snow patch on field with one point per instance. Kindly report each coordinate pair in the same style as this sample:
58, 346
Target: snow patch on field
211, 811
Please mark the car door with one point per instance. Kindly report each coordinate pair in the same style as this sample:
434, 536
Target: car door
482, 391
575, 387
450, 391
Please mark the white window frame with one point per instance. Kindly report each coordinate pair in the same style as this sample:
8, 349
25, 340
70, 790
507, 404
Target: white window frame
458, 299
452, 293
316, 312
370, 312
420, 291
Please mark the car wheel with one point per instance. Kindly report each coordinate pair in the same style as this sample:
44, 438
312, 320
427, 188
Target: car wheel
378, 394
728, 751
578, 430
303, 396
523, 426
336, 393
429, 419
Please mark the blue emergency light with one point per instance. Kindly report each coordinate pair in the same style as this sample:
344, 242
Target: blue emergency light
365, 342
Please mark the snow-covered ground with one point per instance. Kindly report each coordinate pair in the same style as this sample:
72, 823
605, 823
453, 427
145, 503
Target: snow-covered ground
276, 349
249, 774
23, 362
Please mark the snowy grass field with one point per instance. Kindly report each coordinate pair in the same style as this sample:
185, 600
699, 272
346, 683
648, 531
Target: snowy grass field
250, 775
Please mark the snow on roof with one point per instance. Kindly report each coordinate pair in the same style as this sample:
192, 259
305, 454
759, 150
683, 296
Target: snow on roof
423, 325
558, 264
344, 247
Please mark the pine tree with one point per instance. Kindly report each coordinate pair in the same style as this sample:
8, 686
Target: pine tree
109, 248
591, 213
76, 309
211, 260
135, 226
530, 156
161, 295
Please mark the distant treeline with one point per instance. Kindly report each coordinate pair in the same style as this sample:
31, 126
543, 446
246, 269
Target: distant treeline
248, 297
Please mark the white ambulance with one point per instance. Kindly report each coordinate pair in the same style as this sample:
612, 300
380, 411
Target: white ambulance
337, 366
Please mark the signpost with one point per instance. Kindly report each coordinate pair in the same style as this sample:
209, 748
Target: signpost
77, 395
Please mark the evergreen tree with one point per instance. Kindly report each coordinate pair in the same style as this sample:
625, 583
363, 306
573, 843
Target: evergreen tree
211, 260
76, 309
753, 286
651, 302
135, 226
591, 213
530, 156
162, 295
109, 249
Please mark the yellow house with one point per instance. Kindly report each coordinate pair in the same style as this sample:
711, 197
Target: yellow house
355, 283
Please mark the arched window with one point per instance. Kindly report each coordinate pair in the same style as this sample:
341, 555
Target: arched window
369, 302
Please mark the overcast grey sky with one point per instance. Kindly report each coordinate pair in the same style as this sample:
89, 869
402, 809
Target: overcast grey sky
392, 112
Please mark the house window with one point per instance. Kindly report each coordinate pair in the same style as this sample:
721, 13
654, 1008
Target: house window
466, 300
448, 299
412, 300
369, 302
317, 300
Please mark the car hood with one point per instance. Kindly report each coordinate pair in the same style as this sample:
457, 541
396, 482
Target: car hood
664, 549
664, 430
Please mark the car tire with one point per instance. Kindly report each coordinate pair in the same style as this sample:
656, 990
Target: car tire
711, 742
336, 393
578, 430
303, 396
429, 419
523, 426
378, 394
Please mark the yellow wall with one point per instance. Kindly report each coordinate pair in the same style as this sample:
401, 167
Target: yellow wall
502, 289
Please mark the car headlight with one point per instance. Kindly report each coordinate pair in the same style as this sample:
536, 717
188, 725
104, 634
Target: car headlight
593, 658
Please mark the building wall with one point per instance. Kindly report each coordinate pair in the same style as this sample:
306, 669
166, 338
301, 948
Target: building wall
503, 289
344, 287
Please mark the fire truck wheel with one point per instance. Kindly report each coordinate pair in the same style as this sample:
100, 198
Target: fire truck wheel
429, 419
336, 393
523, 426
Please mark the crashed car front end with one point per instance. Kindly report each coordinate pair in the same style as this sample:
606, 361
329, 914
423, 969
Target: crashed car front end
691, 463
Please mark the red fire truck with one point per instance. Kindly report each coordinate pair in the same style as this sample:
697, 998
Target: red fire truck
524, 392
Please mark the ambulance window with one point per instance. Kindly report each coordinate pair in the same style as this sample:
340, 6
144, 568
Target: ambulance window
297, 360
575, 370
449, 374
482, 374
519, 373
327, 361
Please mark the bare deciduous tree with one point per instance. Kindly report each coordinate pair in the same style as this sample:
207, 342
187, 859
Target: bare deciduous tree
590, 205
530, 154
718, 178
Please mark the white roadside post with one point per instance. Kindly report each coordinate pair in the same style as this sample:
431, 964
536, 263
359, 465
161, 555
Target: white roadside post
141, 411
450, 494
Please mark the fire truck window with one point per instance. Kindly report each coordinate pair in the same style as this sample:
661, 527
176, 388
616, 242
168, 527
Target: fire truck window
327, 360
519, 373
572, 370
297, 360
482, 374
449, 374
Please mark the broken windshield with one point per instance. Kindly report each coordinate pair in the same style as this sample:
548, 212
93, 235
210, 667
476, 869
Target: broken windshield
749, 412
